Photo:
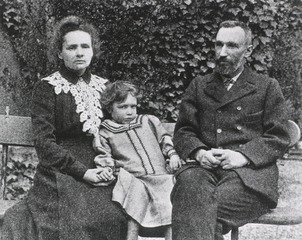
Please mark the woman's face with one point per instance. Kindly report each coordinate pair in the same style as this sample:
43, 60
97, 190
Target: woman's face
77, 51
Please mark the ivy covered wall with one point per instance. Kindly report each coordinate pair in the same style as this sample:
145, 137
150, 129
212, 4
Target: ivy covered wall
161, 45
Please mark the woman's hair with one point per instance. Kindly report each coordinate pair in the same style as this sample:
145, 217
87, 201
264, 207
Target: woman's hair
70, 24
117, 92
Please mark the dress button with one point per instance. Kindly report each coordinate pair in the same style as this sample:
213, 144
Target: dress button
239, 127
219, 130
239, 108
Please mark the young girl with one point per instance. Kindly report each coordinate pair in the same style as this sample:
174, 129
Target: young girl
135, 147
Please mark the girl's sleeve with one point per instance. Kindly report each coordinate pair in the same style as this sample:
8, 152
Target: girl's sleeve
51, 155
163, 137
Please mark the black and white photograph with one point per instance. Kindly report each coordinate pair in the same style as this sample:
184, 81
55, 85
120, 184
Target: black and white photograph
150, 120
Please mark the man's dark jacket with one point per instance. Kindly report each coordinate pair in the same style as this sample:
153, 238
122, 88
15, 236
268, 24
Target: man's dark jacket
251, 118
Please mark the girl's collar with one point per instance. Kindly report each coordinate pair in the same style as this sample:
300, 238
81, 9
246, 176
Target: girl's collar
117, 127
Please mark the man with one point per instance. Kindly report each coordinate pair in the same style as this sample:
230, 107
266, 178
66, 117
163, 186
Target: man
232, 128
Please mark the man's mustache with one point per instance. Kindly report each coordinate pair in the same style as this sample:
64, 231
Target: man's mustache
223, 60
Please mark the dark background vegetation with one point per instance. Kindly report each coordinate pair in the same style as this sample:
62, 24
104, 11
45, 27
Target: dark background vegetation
160, 45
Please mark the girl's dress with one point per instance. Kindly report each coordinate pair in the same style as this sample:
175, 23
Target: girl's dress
143, 184
65, 113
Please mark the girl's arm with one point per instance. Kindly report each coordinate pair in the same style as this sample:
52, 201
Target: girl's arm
165, 142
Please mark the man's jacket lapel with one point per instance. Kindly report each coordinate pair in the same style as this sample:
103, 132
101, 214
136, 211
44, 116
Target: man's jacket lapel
215, 87
244, 85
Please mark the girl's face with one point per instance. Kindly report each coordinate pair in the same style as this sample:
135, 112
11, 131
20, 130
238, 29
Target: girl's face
124, 112
77, 51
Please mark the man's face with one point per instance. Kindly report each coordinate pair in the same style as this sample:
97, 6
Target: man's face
231, 50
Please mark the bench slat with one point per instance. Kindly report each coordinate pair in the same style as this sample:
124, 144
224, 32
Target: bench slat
4, 205
281, 216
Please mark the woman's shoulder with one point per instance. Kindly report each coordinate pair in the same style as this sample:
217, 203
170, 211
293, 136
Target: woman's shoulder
99, 79
98, 82
44, 83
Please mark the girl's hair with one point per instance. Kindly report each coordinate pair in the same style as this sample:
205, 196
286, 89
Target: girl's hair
70, 24
117, 92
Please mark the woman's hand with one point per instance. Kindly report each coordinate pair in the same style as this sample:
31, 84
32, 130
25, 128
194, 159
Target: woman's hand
174, 163
92, 177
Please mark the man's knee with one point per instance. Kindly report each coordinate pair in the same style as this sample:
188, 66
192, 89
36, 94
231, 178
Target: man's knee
191, 182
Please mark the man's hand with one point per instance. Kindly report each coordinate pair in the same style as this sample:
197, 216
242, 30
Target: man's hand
229, 159
206, 159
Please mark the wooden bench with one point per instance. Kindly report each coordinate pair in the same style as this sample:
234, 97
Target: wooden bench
17, 131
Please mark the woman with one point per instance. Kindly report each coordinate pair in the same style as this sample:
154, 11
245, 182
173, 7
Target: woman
65, 201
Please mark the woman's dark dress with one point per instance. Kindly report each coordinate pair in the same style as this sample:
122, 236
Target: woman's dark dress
61, 205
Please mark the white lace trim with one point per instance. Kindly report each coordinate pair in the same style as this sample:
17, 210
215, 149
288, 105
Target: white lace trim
87, 98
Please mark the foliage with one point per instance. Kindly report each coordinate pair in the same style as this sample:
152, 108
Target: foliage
27, 22
160, 45
20, 172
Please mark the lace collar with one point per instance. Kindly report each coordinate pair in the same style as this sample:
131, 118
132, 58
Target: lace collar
117, 128
87, 98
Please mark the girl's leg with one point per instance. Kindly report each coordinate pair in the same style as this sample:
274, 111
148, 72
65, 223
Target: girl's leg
133, 228
168, 233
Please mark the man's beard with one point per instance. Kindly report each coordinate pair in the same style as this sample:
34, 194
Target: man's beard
225, 67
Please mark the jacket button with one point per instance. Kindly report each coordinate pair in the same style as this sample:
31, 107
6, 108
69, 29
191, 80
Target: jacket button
219, 130
239, 108
239, 127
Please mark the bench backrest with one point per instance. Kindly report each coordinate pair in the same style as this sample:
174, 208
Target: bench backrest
16, 130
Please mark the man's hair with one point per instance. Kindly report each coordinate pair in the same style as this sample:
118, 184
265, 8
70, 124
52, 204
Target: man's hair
244, 26
70, 24
117, 92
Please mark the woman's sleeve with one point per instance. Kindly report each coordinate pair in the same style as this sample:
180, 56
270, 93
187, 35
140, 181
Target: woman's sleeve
163, 137
51, 155
103, 149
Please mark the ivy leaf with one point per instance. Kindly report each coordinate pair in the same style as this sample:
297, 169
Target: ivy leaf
153, 105
188, 2
204, 69
258, 67
177, 83
265, 40
242, 5
190, 52
211, 64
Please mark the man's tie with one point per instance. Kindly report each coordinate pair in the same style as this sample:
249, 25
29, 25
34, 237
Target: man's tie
228, 82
